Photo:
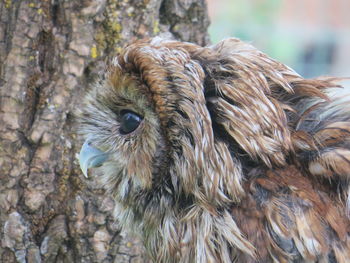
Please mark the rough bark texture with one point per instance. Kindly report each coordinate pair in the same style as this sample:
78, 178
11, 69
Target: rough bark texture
50, 51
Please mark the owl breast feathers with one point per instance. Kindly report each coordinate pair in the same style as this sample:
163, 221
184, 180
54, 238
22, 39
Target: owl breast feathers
221, 154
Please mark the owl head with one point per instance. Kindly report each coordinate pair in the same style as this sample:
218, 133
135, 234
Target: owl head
173, 124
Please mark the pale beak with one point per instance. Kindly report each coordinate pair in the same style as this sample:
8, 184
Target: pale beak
90, 157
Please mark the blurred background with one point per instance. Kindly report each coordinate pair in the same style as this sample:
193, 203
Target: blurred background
311, 36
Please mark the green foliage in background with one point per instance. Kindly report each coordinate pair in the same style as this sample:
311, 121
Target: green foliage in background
257, 22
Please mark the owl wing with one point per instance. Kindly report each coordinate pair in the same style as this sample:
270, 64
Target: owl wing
322, 140
295, 206
275, 116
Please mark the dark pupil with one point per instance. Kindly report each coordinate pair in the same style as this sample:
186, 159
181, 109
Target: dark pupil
129, 122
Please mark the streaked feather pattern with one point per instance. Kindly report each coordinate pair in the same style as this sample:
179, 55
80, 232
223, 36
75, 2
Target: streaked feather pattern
237, 159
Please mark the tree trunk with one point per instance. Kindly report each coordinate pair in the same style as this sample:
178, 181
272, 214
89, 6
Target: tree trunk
50, 51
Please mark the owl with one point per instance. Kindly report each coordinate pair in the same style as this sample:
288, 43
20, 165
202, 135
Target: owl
221, 154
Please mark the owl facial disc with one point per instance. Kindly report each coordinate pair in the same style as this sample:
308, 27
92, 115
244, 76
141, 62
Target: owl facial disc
90, 157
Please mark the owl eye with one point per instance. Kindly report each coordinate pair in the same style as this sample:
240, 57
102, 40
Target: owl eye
129, 121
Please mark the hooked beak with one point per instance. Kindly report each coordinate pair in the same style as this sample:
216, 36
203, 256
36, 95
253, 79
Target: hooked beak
90, 157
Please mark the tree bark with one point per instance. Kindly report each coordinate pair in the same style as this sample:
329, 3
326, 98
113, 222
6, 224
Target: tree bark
50, 52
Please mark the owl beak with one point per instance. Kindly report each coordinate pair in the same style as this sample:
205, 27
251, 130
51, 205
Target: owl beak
90, 157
